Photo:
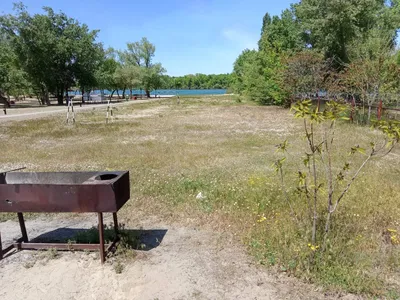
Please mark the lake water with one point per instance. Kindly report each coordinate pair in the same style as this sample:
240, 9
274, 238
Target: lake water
168, 92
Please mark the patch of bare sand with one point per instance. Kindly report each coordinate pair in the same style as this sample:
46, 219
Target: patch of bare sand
188, 263
239, 120
143, 113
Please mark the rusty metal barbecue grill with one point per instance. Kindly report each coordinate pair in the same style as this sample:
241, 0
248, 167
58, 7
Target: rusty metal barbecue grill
54, 192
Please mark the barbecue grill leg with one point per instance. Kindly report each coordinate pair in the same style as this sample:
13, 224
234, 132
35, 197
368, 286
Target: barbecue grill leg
101, 237
1, 249
115, 224
23, 228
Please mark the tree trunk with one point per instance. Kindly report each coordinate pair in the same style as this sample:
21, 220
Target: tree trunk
118, 93
60, 99
123, 93
369, 113
39, 99
66, 94
60, 96
83, 95
4, 101
112, 93
45, 96
147, 93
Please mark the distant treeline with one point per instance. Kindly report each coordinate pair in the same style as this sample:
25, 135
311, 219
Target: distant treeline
197, 81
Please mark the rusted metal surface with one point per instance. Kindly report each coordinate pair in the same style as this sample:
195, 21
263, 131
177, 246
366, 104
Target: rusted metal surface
115, 218
6, 250
1, 248
23, 228
22, 243
64, 192
101, 237
57, 246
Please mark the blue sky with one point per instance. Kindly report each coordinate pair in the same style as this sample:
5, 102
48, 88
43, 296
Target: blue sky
192, 36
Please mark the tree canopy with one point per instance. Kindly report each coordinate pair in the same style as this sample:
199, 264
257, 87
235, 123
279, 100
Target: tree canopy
339, 35
55, 51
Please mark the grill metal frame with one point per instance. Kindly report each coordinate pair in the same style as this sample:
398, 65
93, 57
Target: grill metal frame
62, 192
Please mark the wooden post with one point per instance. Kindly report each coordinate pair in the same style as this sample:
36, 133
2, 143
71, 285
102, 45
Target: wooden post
108, 108
73, 112
23, 228
67, 112
70, 106
109, 112
101, 237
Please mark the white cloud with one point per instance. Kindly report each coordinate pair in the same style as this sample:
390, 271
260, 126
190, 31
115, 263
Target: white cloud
240, 37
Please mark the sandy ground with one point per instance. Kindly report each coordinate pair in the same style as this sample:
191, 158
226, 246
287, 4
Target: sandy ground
180, 263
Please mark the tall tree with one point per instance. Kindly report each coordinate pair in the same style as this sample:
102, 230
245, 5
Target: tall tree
281, 33
141, 54
372, 72
240, 67
13, 80
105, 74
332, 25
56, 51
258, 75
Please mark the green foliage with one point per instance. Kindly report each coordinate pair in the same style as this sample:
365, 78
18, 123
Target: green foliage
281, 33
373, 73
242, 64
332, 25
105, 74
118, 267
258, 75
322, 186
137, 68
13, 80
50, 53
316, 44
56, 51
315, 195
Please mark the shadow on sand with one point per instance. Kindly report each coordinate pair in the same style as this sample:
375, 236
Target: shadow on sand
140, 239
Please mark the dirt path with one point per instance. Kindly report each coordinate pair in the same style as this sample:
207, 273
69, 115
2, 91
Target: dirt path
185, 263
21, 114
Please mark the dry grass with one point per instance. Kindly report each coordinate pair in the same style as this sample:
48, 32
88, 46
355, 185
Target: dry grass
225, 150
